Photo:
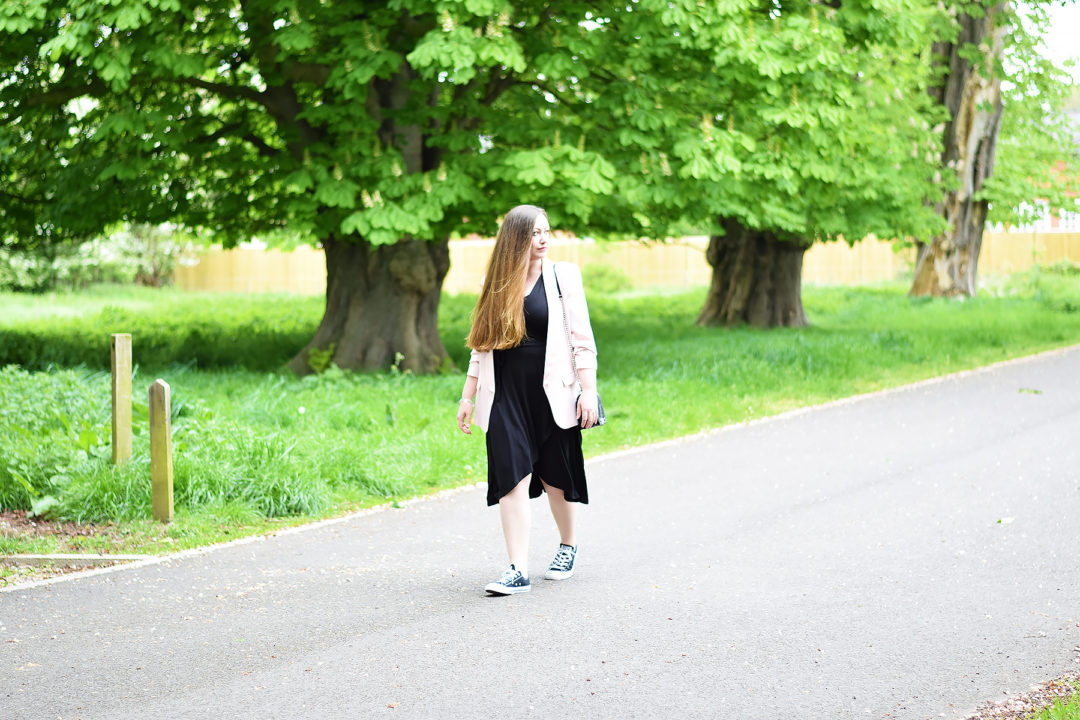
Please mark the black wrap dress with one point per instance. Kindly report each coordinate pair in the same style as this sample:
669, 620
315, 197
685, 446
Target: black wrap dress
522, 436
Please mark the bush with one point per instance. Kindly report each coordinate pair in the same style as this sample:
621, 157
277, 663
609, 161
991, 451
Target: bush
1059, 292
209, 333
1063, 267
605, 279
140, 253
247, 447
24, 271
52, 426
55, 446
1056, 287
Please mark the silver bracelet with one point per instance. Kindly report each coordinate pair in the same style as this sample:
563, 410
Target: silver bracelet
464, 400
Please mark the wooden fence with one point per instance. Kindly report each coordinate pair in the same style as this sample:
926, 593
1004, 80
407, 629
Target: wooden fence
1004, 253
678, 263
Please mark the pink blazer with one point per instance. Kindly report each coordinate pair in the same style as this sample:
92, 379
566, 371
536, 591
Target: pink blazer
560, 385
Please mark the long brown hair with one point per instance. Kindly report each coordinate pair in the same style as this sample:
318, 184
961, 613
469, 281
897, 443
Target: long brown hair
498, 321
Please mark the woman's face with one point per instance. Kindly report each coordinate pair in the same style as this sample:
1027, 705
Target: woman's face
541, 235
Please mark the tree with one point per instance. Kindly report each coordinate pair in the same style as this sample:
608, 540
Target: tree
970, 91
377, 128
839, 155
1038, 158
381, 129
1002, 98
777, 124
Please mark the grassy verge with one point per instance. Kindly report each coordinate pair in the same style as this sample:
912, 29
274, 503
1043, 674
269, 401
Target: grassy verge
1061, 709
1058, 699
27, 307
207, 330
256, 451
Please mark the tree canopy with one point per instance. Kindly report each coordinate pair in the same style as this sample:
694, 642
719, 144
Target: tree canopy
1038, 168
776, 126
413, 118
380, 129
366, 126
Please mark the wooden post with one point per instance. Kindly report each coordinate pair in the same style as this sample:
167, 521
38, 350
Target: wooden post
161, 477
121, 398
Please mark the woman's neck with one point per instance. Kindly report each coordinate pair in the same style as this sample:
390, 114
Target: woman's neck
534, 267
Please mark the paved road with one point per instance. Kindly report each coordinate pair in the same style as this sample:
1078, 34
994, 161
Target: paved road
906, 555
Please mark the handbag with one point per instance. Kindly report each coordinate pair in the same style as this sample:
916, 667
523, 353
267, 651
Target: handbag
601, 417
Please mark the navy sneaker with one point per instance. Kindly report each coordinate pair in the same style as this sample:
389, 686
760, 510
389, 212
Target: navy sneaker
511, 583
562, 566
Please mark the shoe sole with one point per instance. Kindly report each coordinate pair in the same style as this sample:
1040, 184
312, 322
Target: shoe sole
549, 575
503, 590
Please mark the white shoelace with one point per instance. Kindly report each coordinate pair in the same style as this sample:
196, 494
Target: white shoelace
509, 576
563, 559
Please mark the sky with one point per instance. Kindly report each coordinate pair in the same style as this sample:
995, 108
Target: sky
1063, 40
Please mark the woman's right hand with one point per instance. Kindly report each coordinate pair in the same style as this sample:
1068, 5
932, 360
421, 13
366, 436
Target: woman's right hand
464, 416
588, 412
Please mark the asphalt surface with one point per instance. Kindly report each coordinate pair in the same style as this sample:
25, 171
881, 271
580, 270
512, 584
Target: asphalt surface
911, 554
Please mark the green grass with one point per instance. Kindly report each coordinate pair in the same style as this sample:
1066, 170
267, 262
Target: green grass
206, 330
255, 450
1065, 708
20, 307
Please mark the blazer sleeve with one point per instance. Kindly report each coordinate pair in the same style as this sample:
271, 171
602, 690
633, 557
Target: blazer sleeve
577, 316
474, 364
474, 356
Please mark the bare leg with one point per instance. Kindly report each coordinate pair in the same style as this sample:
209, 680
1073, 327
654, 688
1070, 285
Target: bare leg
563, 512
514, 511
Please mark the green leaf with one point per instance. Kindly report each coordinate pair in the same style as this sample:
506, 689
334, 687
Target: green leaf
598, 176
298, 181
22, 481
337, 193
43, 507
533, 167
132, 16
483, 8
355, 223
294, 38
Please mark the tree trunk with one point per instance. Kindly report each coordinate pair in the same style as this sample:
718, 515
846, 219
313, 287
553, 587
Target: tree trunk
757, 279
380, 301
948, 265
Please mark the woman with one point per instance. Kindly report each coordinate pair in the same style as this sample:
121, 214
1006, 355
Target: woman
527, 398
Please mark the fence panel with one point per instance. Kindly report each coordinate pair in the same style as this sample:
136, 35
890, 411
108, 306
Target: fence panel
679, 263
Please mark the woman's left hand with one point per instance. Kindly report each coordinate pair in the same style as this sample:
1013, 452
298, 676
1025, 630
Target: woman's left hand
588, 410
